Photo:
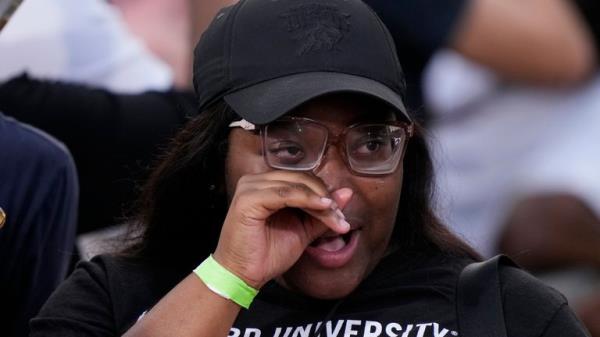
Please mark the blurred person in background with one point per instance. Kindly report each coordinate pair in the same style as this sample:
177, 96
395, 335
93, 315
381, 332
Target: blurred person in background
80, 41
165, 28
38, 216
112, 137
517, 156
38, 196
542, 41
99, 89
170, 28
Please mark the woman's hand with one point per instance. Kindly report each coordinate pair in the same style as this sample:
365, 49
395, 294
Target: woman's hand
272, 218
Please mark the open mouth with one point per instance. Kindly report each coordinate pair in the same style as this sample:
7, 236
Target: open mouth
330, 242
333, 243
334, 251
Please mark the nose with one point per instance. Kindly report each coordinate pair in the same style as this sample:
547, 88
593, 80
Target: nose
335, 175
342, 196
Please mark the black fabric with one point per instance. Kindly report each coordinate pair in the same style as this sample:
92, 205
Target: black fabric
419, 28
479, 300
530, 303
112, 137
407, 296
254, 42
38, 192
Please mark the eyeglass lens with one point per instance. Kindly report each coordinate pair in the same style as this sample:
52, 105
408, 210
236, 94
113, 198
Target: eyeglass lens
299, 145
294, 145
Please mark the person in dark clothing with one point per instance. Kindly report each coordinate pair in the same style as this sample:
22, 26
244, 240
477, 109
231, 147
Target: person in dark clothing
38, 196
112, 137
309, 182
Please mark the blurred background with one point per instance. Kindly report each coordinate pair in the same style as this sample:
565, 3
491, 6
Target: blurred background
509, 92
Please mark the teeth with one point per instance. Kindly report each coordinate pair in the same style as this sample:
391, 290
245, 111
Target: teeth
331, 244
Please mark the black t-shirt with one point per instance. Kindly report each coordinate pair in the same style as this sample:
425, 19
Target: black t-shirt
403, 296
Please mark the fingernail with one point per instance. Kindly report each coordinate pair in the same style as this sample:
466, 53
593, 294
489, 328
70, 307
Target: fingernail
326, 201
345, 225
343, 193
340, 214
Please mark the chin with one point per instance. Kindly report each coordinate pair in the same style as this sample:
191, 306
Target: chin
330, 292
325, 285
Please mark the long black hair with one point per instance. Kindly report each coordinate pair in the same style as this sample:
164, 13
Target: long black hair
183, 204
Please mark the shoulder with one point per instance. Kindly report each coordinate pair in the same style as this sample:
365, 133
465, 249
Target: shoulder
532, 308
105, 278
140, 280
102, 297
106, 268
27, 148
519, 285
38, 177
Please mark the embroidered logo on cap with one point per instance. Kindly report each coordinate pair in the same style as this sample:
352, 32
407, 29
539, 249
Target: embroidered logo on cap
316, 27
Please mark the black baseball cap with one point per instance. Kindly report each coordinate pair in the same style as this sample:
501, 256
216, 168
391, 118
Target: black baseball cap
267, 57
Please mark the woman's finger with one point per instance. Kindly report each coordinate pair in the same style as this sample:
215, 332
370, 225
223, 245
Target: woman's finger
256, 206
313, 182
256, 185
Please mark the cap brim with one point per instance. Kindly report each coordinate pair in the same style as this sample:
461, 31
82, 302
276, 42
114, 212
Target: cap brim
266, 101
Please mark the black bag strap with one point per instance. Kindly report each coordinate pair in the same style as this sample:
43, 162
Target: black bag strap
479, 299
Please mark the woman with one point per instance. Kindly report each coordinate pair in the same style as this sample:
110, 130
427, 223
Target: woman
308, 182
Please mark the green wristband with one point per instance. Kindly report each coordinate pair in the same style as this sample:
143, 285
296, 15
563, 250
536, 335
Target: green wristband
224, 283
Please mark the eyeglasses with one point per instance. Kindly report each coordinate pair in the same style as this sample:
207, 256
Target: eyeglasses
299, 144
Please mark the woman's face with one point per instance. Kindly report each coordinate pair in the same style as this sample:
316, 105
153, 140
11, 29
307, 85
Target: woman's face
371, 210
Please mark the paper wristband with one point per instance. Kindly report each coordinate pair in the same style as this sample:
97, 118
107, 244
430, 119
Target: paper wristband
224, 283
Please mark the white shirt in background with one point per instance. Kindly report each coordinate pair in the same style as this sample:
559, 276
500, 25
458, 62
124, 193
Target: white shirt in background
82, 41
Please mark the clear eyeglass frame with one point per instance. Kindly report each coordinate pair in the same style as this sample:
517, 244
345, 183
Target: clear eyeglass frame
338, 141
